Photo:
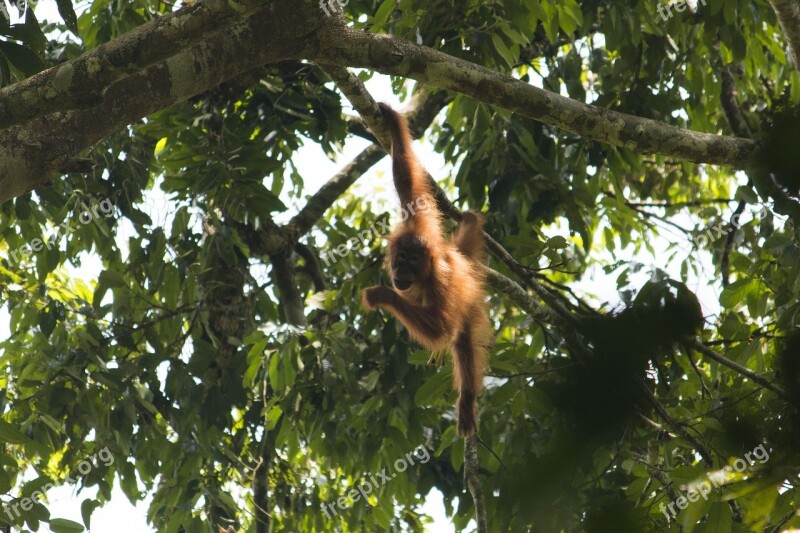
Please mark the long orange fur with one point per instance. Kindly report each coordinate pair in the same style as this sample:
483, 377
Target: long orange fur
445, 307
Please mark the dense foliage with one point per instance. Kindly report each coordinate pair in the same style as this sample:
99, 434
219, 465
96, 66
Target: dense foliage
185, 359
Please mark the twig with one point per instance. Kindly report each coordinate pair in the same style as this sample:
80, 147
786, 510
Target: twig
733, 365
782, 522
662, 411
491, 451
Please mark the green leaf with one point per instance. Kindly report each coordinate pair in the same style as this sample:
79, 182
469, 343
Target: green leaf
273, 416
558, 242
274, 375
382, 15
67, 13
503, 50
62, 525
735, 293
720, 518
434, 389
371, 380
22, 204
47, 321
12, 435
420, 357
21, 58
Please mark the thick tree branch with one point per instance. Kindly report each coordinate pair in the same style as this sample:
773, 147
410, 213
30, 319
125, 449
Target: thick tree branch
283, 275
80, 82
356, 126
33, 153
392, 55
788, 12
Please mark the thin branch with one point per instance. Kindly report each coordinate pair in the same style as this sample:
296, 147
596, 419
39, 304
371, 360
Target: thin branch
471, 468
312, 267
494, 454
724, 263
357, 127
362, 101
676, 426
783, 521
320, 201
729, 99
678, 205
424, 108
699, 374
733, 365
515, 292
673, 205
562, 314
663, 220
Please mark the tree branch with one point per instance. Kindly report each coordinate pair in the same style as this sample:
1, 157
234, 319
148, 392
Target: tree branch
396, 56
704, 452
664, 414
283, 274
362, 101
733, 365
424, 108
515, 292
316, 206
80, 82
471, 469
32, 153
788, 13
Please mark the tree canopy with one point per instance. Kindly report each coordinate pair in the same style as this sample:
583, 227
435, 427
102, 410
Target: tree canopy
637, 166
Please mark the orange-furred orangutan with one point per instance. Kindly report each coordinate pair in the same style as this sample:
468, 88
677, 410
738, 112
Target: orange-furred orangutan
438, 283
